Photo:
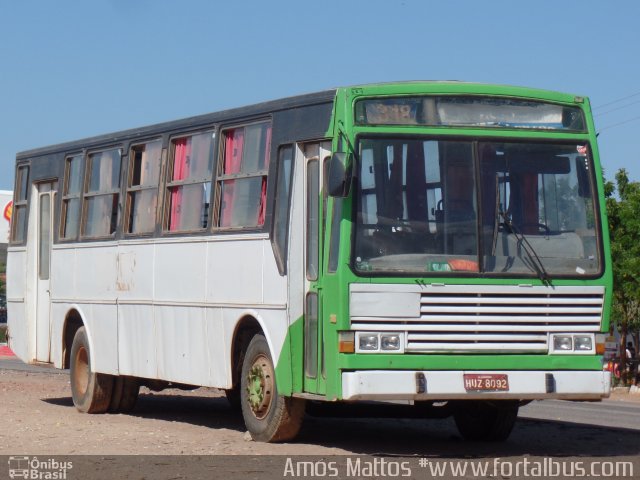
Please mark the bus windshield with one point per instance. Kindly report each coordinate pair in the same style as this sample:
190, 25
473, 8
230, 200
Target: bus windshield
484, 207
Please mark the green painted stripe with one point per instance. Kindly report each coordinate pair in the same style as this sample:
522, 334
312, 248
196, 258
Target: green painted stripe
469, 362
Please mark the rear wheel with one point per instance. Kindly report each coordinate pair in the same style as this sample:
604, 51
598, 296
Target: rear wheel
124, 394
91, 391
486, 421
269, 417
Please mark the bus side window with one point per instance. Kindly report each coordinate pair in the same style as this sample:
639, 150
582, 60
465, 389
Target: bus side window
102, 194
71, 198
283, 200
189, 184
19, 214
142, 187
242, 178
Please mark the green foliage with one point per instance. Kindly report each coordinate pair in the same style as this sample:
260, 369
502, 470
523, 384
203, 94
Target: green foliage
624, 228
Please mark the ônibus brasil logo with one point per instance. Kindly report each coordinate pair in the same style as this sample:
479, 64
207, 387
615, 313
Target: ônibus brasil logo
33, 468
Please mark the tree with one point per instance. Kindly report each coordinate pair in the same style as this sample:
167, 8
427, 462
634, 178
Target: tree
624, 228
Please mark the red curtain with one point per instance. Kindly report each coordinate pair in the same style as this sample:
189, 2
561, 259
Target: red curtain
234, 150
416, 181
234, 144
530, 207
180, 172
393, 207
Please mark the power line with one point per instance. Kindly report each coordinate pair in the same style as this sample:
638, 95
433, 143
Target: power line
616, 101
618, 124
615, 109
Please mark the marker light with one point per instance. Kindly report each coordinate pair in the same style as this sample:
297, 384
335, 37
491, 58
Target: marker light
346, 342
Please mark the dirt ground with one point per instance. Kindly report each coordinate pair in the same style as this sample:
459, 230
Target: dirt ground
37, 417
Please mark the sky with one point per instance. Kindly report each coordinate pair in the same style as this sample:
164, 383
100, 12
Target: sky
70, 69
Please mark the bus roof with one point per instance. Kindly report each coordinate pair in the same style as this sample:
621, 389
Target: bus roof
255, 110
260, 109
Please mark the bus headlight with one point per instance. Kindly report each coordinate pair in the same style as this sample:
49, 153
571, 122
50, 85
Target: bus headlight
562, 343
390, 341
379, 342
583, 343
368, 341
572, 343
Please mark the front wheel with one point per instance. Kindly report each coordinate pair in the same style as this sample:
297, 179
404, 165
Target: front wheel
269, 417
486, 421
91, 391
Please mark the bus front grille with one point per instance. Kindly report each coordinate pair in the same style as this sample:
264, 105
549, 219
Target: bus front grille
490, 319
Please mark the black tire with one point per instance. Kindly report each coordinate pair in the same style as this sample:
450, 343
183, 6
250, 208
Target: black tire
91, 391
486, 421
124, 394
269, 417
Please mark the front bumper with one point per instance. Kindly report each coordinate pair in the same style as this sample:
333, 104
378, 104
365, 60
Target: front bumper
449, 385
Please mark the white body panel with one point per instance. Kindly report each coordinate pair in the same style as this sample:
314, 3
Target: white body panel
163, 309
449, 385
20, 331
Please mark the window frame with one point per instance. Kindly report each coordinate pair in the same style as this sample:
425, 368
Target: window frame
129, 189
20, 203
313, 168
281, 255
220, 177
88, 167
167, 184
65, 197
475, 140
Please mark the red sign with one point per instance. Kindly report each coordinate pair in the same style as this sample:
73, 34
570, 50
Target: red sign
8, 210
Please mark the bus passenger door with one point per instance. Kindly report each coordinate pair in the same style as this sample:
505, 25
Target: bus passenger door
44, 239
314, 155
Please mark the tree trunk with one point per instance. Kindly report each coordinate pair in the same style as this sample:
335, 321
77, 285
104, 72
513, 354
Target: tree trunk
623, 347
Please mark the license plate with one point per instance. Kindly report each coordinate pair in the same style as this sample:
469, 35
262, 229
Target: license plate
486, 382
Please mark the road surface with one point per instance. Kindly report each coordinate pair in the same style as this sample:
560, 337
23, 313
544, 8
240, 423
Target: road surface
38, 418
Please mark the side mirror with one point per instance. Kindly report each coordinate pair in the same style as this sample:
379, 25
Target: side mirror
339, 175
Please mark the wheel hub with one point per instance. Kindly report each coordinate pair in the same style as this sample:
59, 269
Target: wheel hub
81, 379
260, 386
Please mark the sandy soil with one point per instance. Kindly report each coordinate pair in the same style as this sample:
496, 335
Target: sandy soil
38, 417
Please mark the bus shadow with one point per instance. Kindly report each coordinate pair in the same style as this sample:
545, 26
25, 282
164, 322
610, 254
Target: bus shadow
439, 438
213, 412
433, 438
196, 410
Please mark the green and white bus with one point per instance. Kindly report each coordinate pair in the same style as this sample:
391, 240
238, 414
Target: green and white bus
439, 243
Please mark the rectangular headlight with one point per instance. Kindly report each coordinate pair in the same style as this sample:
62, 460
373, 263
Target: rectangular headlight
368, 341
563, 343
390, 341
583, 343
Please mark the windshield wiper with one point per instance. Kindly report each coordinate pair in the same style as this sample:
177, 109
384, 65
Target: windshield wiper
537, 264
